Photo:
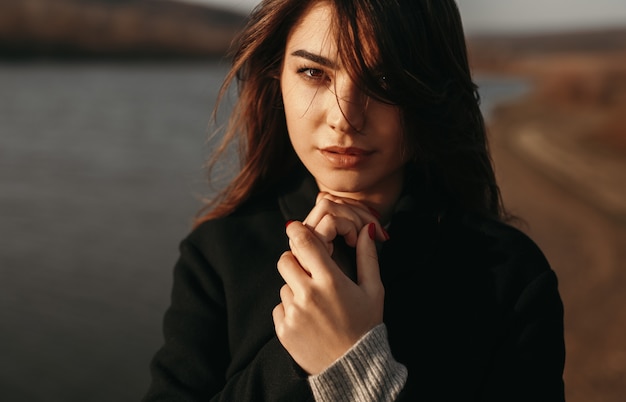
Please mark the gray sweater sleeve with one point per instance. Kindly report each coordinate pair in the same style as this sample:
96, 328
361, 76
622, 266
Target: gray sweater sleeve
367, 372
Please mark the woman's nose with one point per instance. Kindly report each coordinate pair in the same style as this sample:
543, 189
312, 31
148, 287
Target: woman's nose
347, 107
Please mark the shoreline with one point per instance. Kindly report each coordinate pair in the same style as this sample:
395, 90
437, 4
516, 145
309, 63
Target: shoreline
560, 148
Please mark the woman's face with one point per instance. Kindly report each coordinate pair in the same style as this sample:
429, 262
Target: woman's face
350, 143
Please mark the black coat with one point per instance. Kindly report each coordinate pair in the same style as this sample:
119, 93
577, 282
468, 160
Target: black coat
472, 309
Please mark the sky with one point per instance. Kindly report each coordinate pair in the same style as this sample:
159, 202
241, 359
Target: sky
514, 15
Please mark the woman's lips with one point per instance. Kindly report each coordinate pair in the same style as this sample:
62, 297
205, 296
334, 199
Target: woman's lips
345, 158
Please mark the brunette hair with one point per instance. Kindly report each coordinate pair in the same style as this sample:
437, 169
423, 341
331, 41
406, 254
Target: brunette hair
420, 50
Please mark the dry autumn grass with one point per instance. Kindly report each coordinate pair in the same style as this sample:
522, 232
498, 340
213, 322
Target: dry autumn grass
560, 154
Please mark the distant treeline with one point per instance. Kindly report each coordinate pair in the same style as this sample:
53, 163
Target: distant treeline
127, 29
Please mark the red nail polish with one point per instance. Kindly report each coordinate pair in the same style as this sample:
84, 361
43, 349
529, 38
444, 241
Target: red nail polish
386, 234
289, 222
371, 229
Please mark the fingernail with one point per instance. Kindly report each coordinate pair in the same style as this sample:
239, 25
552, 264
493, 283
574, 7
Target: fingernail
386, 234
289, 222
374, 212
371, 229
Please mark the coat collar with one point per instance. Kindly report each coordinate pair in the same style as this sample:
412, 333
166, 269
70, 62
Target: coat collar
297, 200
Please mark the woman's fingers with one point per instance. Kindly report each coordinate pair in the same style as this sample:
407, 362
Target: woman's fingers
331, 226
286, 299
333, 216
291, 270
327, 204
310, 253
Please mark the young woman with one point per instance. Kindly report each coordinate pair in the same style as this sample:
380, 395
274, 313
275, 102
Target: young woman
362, 253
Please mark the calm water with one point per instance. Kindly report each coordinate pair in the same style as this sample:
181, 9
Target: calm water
100, 174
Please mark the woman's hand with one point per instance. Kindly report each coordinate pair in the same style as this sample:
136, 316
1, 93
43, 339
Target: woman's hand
322, 312
334, 216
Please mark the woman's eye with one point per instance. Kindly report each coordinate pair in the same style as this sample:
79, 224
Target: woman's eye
312, 73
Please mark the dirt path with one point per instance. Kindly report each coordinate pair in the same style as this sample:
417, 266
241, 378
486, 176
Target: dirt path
586, 245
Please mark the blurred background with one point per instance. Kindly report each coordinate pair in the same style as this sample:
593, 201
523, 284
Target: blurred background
104, 121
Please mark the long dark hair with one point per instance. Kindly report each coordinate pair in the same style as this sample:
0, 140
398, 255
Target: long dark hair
420, 48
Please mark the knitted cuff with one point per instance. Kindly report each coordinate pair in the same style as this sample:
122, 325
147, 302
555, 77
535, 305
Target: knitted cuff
367, 372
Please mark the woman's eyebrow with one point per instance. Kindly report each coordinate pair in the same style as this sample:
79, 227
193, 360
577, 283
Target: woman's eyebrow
314, 58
